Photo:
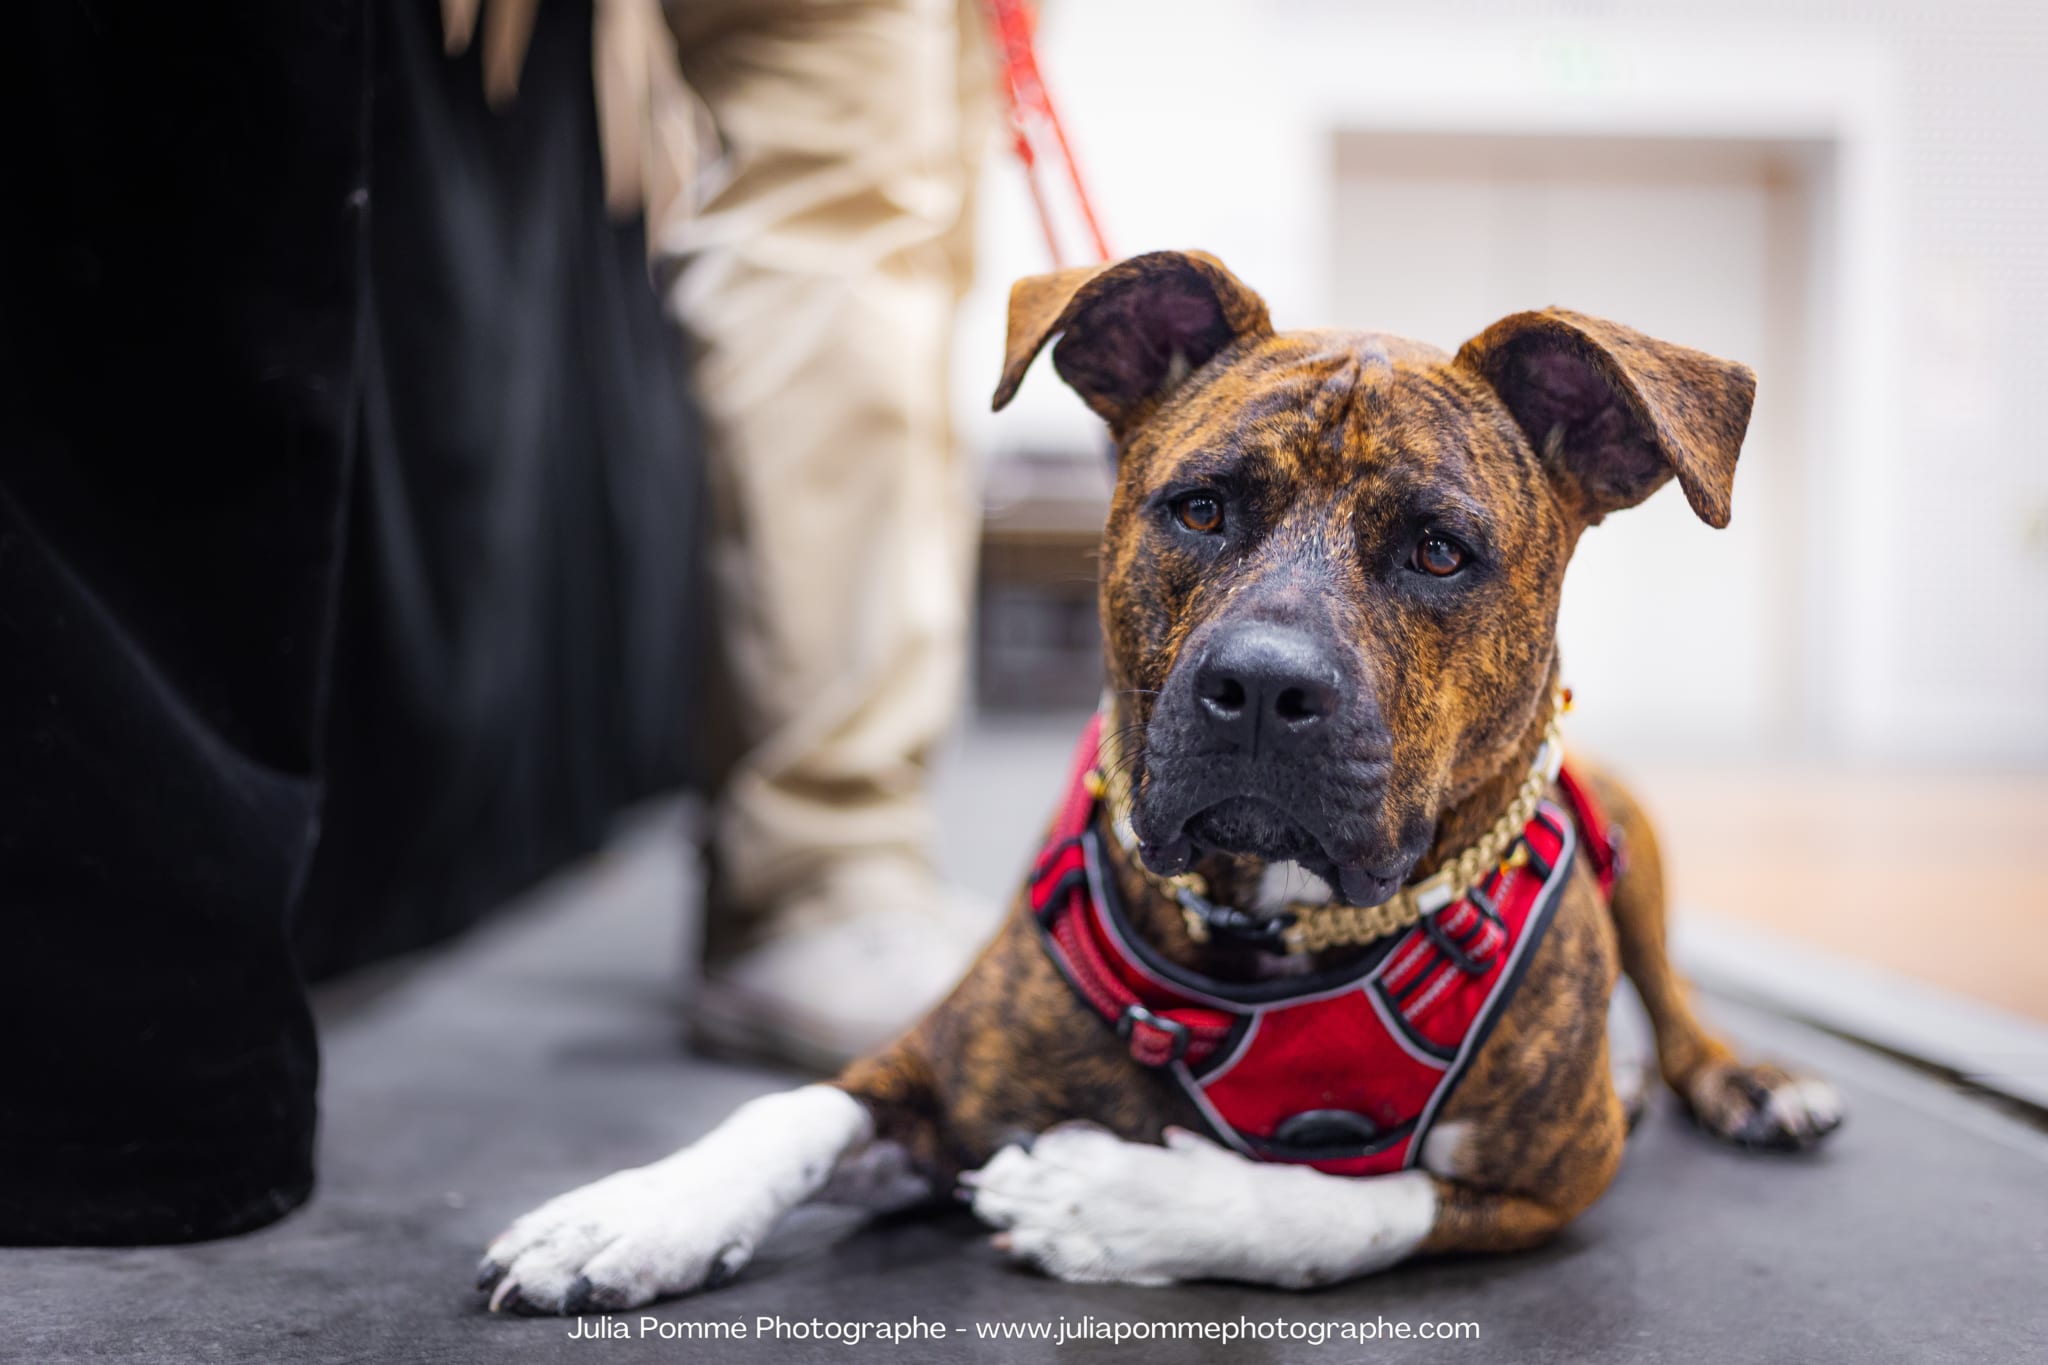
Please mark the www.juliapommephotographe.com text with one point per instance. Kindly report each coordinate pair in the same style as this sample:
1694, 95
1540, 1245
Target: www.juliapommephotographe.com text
856, 1332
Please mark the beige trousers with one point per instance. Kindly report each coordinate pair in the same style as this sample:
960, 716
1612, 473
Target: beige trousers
818, 279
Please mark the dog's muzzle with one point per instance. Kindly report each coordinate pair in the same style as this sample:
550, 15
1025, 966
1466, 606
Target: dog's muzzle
1265, 743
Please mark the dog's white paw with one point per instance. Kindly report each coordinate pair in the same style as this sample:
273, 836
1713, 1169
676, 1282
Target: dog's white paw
690, 1221
678, 1225
1086, 1206
1762, 1105
1807, 1107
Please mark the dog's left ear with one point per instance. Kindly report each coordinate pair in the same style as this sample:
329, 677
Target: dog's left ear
1615, 413
1128, 331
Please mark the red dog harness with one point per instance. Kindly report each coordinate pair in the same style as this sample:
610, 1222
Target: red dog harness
1343, 1071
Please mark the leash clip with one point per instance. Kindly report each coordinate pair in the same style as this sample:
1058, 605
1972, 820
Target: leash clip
1258, 931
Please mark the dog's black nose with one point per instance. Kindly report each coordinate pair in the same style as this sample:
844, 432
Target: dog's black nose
1266, 687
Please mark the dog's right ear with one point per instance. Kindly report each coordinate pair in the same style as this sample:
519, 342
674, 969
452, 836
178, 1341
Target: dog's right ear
1130, 331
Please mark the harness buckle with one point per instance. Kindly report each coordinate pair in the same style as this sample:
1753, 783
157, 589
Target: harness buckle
1145, 1047
1441, 937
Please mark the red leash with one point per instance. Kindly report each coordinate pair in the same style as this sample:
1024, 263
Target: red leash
1032, 115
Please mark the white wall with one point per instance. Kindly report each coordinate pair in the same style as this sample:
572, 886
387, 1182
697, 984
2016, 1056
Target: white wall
1924, 538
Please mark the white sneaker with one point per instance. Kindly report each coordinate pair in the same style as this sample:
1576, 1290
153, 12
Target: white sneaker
836, 981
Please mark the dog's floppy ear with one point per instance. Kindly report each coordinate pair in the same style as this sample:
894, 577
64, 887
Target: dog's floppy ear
1615, 413
1131, 330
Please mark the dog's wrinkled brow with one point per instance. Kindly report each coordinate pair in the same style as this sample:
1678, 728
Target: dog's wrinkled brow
1445, 510
1218, 462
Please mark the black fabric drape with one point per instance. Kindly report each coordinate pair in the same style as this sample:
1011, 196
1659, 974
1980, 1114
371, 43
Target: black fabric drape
345, 504
513, 641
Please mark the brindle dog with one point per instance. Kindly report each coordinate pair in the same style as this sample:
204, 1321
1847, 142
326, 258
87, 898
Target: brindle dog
1329, 590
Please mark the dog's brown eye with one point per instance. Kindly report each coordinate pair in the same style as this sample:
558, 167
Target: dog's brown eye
1200, 512
1439, 556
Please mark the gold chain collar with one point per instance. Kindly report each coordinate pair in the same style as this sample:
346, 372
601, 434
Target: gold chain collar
1317, 925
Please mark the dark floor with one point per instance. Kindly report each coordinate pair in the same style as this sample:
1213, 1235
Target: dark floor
544, 1051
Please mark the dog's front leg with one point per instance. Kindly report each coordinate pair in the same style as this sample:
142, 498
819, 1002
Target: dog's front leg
688, 1221
1085, 1205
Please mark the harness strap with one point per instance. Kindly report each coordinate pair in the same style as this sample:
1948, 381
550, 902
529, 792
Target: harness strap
1156, 1037
1600, 840
1062, 870
1059, 898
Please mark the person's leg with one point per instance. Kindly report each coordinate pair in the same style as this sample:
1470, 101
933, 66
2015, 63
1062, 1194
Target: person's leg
820, 282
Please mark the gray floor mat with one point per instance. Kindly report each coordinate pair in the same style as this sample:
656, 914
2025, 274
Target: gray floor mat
545, 1051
